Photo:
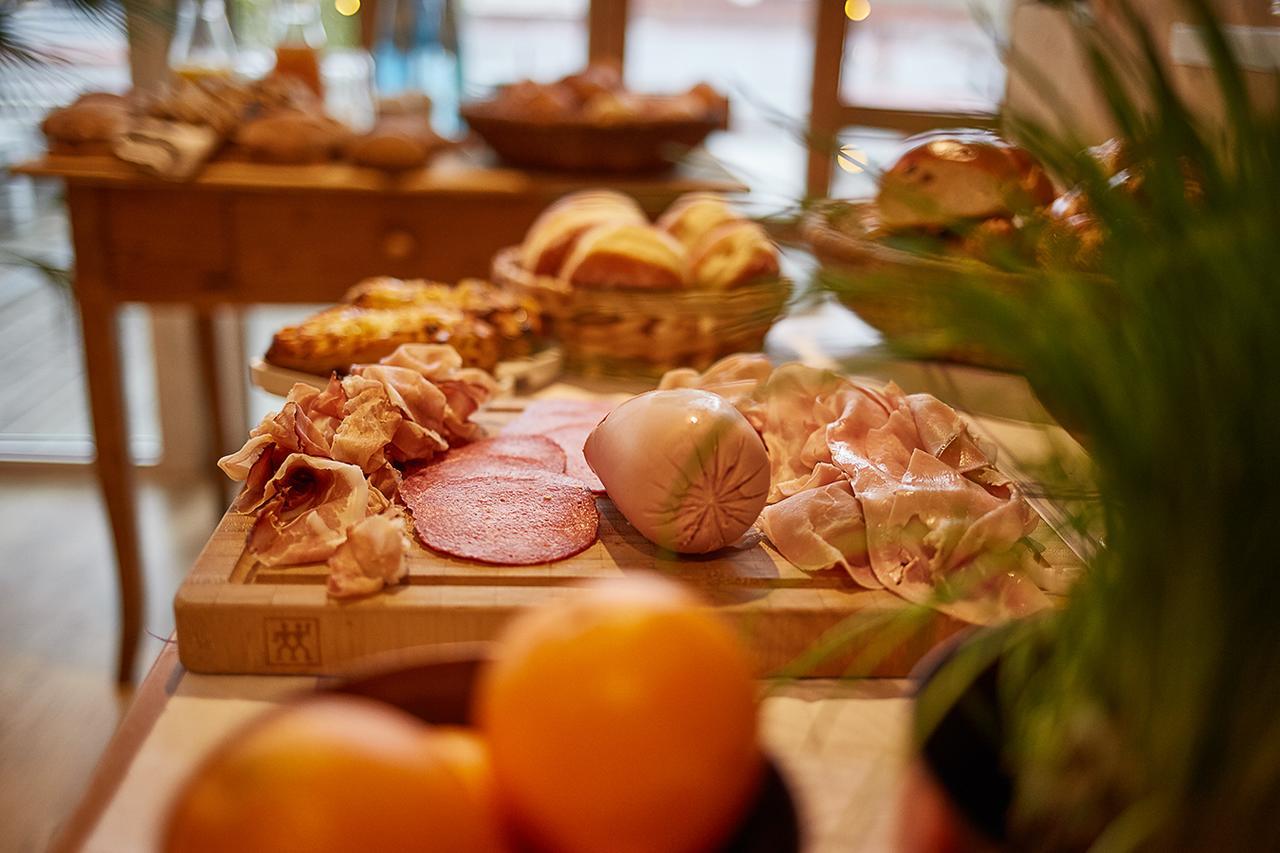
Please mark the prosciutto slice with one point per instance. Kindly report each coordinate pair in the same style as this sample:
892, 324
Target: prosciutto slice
820, 528
734, 377
369, 422
371, 557
306, 510
791, 412
935, 537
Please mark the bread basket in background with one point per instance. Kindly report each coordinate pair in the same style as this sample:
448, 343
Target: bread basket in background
644, 333
575, 145
901, 293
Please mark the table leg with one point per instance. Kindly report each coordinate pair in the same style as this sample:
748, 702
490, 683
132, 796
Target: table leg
211, 379
114, 464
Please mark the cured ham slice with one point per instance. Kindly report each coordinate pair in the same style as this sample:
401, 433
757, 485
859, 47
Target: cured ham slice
821, 528
465, 389
369, 422
791, 412
306, 510
567, 423
935, 537
371, 557
734, 377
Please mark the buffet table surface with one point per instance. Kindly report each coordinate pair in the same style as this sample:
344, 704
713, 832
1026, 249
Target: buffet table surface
842, 747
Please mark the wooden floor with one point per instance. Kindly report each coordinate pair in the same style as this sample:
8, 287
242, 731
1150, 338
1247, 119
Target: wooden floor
58, 704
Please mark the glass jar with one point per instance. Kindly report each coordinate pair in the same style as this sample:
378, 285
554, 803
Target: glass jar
301, 42
202, 45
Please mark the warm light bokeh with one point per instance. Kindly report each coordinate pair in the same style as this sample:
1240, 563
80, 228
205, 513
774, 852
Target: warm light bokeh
857, 10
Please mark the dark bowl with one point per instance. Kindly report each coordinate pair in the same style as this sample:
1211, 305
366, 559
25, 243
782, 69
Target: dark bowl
576, 145
436, 686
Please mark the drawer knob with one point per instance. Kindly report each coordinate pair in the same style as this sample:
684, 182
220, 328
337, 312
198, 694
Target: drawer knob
399, 244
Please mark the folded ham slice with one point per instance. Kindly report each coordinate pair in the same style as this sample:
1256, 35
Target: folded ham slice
414, 405
306, 509
734, 377
371, 557
791, 411
820, 528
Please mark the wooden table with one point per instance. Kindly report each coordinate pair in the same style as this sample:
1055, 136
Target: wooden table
841, 745
244, 233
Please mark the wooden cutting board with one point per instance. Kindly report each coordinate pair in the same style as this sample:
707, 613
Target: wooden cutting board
235, 615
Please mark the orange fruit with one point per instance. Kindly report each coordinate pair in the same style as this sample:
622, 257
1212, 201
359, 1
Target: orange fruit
622, 719
338, 774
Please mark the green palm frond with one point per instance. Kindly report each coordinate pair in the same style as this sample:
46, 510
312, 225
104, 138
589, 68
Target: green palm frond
1150, 722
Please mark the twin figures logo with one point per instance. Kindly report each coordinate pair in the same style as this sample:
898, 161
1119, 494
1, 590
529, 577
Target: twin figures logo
292, 642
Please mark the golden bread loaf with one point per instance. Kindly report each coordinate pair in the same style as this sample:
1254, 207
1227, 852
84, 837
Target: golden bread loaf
553, 234
732, 253
626, 255
88, 126
289, 136
952, 175
691, 216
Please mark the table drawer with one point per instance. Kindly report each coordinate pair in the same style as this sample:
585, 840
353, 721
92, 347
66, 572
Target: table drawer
313, 247
165, 244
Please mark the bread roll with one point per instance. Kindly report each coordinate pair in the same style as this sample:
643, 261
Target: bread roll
555, 232
951, 175
292, 137
596, 79
692, 215
88, 126
397, 142
625, 255
731, 254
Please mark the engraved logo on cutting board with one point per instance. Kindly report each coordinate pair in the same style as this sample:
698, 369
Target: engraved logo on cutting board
292, 642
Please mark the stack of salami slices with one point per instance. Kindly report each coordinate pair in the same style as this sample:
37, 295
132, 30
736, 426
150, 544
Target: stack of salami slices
567, 423
503, 500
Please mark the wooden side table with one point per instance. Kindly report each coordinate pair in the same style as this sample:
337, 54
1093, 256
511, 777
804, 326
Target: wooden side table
244, 233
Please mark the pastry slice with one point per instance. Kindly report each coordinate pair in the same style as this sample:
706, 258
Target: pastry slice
338, 337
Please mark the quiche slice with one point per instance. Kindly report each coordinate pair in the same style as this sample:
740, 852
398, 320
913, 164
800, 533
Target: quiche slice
515, 318
338, 337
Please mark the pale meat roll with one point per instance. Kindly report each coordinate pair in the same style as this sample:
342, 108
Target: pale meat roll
614, 255
683, 466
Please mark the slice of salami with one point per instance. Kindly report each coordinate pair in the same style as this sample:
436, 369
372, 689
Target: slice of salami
520, 520
533, 449
497, 458
571, 438
568, 423
542, 416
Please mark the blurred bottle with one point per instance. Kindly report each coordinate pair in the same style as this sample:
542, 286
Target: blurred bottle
301, 42
416, 49
202, 45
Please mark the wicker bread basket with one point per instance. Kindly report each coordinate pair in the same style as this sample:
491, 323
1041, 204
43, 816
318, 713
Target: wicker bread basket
627, 332
579, 145
901, 293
